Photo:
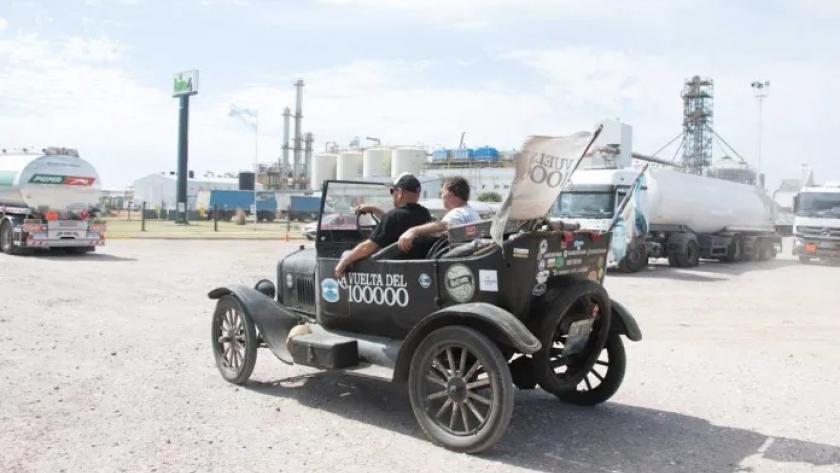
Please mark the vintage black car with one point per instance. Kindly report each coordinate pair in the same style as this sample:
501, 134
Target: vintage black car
463, 327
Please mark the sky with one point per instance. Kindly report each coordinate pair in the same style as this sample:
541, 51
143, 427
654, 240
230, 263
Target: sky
96, 75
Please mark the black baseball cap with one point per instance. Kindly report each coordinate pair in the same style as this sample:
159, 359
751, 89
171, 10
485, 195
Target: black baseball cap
406, 182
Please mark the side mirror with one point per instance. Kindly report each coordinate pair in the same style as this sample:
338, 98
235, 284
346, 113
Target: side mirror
796, 203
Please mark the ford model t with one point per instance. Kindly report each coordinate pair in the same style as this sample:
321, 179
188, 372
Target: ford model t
463, 327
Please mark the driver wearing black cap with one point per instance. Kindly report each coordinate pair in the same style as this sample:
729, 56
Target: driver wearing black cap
407, 213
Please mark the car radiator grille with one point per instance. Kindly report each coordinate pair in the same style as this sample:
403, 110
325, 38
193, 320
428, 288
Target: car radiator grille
819, 232
302, 294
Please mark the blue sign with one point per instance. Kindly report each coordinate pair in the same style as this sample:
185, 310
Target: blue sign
329, 290
425, 281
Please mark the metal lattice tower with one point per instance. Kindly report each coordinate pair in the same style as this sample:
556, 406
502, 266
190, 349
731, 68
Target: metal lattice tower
697, 95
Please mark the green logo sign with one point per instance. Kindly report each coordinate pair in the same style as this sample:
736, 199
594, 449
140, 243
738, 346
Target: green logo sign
46, 179
185, 83
182, 86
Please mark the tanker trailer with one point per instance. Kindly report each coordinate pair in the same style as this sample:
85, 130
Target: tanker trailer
689, 216
46, 201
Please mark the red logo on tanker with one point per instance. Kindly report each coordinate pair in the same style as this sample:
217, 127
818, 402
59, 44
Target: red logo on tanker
79, 181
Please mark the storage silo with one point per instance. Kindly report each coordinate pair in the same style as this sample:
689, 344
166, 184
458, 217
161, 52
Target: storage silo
323, 168
377, 162
348, 165
407, 159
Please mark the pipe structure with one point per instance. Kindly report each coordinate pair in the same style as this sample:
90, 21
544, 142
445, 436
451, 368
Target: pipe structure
298, 137
307, 173
287, 116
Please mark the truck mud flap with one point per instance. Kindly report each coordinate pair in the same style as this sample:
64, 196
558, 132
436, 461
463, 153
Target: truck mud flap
272, 321
623, 322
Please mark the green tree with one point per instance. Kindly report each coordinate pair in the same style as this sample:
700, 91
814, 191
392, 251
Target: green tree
489, 197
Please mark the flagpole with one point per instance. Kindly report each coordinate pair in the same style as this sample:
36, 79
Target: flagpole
256, 162
627, 198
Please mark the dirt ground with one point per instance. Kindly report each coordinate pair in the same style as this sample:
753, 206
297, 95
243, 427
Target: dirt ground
106, 366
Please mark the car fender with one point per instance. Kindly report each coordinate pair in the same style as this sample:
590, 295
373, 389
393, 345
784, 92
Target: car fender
623, 322
497, 323
272, 321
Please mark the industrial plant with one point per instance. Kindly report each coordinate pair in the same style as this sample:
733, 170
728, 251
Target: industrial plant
299, 170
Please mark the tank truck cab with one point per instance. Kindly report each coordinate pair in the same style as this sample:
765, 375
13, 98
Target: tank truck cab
816, 222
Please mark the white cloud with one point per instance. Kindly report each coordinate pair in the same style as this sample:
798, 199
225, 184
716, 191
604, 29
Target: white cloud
798, 114
390, 101
3, 24
484, 12
81, 92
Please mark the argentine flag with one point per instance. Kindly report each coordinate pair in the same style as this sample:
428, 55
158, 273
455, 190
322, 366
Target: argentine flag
246, 115
630, 221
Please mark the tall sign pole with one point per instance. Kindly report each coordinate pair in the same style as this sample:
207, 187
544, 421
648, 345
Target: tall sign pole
184, 85
760, 90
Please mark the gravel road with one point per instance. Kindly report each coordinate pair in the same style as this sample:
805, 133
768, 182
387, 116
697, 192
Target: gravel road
106, 366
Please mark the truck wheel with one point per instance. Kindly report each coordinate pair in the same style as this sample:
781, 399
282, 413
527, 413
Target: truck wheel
563, 305
608, 383
690, 257
7, 244
735, 252
448, 370
234, 340
634, 260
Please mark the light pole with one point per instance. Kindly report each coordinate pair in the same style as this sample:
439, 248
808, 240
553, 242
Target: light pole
760, 90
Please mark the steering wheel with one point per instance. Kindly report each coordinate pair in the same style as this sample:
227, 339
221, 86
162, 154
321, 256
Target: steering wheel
366, 230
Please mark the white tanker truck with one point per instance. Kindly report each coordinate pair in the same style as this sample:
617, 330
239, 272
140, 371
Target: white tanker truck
689, 216
46, 201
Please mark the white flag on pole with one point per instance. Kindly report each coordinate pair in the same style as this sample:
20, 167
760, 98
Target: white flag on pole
246, 115
542, 170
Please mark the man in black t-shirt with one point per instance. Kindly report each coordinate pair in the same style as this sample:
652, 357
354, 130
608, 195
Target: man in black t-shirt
407, 213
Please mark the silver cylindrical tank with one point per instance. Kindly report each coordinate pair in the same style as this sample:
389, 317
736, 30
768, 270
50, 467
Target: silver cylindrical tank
410, 160
43, 182
324, 167
349, 165
377, 162
706, 204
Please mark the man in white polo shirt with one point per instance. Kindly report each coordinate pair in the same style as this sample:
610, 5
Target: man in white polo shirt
455, 193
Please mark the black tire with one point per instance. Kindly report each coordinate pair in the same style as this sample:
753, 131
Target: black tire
7, 238
452, 342
609, 382
562, 305
234, 369
735, 252
634, 260
692, 254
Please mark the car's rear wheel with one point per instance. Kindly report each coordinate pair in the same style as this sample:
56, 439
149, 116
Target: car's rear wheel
461, 389
557, 369
234, 340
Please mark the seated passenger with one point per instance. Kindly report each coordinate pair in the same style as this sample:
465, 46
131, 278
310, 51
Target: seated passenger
455, 193
406, 213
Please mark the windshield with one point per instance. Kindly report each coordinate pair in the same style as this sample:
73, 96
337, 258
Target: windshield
585, 205
342, 199
819, 204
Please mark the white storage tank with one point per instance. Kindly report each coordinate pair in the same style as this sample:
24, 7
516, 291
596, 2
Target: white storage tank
377, 162
323, 168
407, 159
349, 165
